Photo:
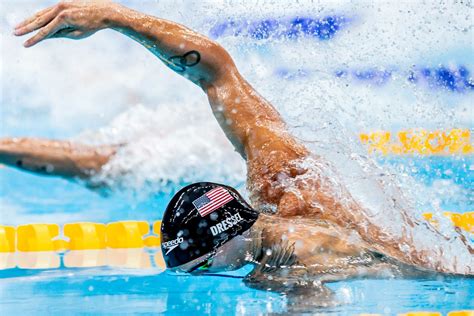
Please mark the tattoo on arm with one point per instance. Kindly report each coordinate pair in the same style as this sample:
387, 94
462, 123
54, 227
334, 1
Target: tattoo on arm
181, 63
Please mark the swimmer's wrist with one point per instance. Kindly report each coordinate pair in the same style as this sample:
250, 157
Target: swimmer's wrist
117, 17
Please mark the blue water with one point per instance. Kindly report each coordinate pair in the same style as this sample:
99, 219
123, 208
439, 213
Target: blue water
110, 290
104, 291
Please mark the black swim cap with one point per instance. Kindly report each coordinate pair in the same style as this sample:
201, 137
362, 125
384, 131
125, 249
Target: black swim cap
200, 218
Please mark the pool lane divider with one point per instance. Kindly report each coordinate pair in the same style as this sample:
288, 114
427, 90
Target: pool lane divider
79, 236
419, 142
124, 244
122, 235
128, 244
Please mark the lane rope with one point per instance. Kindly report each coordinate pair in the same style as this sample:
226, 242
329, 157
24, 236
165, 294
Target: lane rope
122, 234
129, 244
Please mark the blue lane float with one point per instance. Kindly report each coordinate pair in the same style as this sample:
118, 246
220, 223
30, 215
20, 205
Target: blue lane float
455, 79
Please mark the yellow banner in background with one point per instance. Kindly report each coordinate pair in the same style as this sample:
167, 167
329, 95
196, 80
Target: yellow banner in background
419, 142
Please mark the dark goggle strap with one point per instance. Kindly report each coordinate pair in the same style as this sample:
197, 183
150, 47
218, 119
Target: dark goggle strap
203, 265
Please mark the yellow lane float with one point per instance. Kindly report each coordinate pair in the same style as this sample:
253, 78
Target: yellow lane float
85, 236
461, 313
421, 313
79, 236
464, 221
118, 244
425, 313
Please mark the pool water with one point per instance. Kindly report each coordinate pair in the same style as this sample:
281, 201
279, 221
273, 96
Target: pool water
333, 70
104, 290
107, 291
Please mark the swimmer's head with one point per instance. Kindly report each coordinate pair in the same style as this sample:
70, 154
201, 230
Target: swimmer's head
204, 226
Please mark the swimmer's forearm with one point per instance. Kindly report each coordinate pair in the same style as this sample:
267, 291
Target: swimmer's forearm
188, 53
55, 158
193, 55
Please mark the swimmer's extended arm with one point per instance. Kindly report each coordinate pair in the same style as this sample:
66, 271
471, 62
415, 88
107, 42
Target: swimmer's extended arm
248, 120
198, 58
56, 158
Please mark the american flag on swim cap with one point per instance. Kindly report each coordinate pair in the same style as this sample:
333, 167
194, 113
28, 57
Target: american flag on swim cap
212, 200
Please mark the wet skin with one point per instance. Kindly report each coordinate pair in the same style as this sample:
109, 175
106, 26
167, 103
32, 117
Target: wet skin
285, 180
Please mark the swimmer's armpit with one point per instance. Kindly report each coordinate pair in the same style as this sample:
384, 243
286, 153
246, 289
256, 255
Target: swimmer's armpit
277, 270
290, 280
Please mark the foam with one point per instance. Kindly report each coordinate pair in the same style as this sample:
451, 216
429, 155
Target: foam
168, 146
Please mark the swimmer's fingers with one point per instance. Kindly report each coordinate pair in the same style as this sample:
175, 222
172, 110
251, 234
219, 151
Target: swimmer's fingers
38, 21
47, 31
33, 18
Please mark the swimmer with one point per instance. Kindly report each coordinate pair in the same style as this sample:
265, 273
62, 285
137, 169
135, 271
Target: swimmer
208, 228
303, 224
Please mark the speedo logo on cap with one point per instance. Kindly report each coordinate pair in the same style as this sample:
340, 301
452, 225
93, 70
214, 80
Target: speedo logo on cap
172, 244
227, 223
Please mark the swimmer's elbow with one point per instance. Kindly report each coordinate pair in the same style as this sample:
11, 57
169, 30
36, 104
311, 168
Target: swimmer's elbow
219, 65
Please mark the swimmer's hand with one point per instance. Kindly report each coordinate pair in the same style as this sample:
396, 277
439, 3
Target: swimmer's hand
74, 20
